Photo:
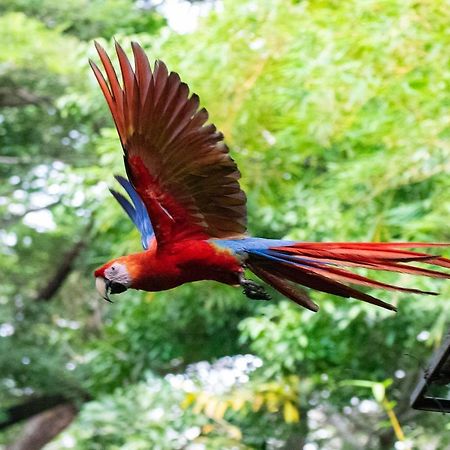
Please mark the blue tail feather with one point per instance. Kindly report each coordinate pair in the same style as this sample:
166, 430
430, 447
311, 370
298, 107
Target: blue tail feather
251, 244
281, 257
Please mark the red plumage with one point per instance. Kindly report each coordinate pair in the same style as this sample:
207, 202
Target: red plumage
187, 190
321, 266
178, 164
178, 263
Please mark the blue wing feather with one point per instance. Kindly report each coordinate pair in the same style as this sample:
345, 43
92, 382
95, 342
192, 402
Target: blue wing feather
125, 204
136, 211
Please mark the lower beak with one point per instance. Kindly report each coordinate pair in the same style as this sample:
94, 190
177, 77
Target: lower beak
102, 286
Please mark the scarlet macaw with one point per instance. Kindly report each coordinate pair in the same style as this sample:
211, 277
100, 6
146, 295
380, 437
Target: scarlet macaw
191, 213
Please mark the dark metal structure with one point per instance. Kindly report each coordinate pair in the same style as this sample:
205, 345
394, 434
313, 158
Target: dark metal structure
432, 392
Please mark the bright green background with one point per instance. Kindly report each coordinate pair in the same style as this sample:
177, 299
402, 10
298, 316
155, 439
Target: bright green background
338, 114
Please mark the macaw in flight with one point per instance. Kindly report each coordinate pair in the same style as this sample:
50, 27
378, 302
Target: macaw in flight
191, 212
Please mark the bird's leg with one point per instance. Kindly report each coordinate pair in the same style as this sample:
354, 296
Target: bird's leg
253, 290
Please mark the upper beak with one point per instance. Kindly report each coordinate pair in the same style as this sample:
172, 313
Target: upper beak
103, 287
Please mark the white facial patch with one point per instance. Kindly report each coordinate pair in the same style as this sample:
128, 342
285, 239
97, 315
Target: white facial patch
118, 273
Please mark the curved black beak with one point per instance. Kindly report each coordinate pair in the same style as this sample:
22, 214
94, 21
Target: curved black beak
106, 287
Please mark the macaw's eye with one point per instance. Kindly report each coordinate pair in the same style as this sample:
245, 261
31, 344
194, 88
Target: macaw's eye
117, 288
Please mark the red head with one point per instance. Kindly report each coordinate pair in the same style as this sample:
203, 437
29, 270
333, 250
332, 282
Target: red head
115, 276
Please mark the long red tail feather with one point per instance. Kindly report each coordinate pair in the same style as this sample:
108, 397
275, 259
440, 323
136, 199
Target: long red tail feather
282, 285
321, 266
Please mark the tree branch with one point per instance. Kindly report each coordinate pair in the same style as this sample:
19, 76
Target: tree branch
10, 160
16, 217
64, 269
19, 96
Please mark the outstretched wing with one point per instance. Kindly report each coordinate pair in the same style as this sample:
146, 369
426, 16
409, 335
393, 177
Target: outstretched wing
180, 167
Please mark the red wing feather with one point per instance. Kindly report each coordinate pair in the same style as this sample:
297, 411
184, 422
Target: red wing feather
180, 167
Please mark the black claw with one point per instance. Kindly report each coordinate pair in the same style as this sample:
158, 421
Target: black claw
254, 291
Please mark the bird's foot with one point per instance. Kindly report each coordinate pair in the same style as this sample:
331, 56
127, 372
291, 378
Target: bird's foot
253, 290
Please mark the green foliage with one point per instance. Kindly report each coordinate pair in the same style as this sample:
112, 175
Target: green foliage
165, 332
338, 116
89, 19
134, 418
318, 105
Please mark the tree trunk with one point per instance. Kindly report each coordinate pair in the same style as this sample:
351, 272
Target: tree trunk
41, 429
297, 439
30, 408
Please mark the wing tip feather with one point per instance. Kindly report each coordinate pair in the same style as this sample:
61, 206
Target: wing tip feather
140, 90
